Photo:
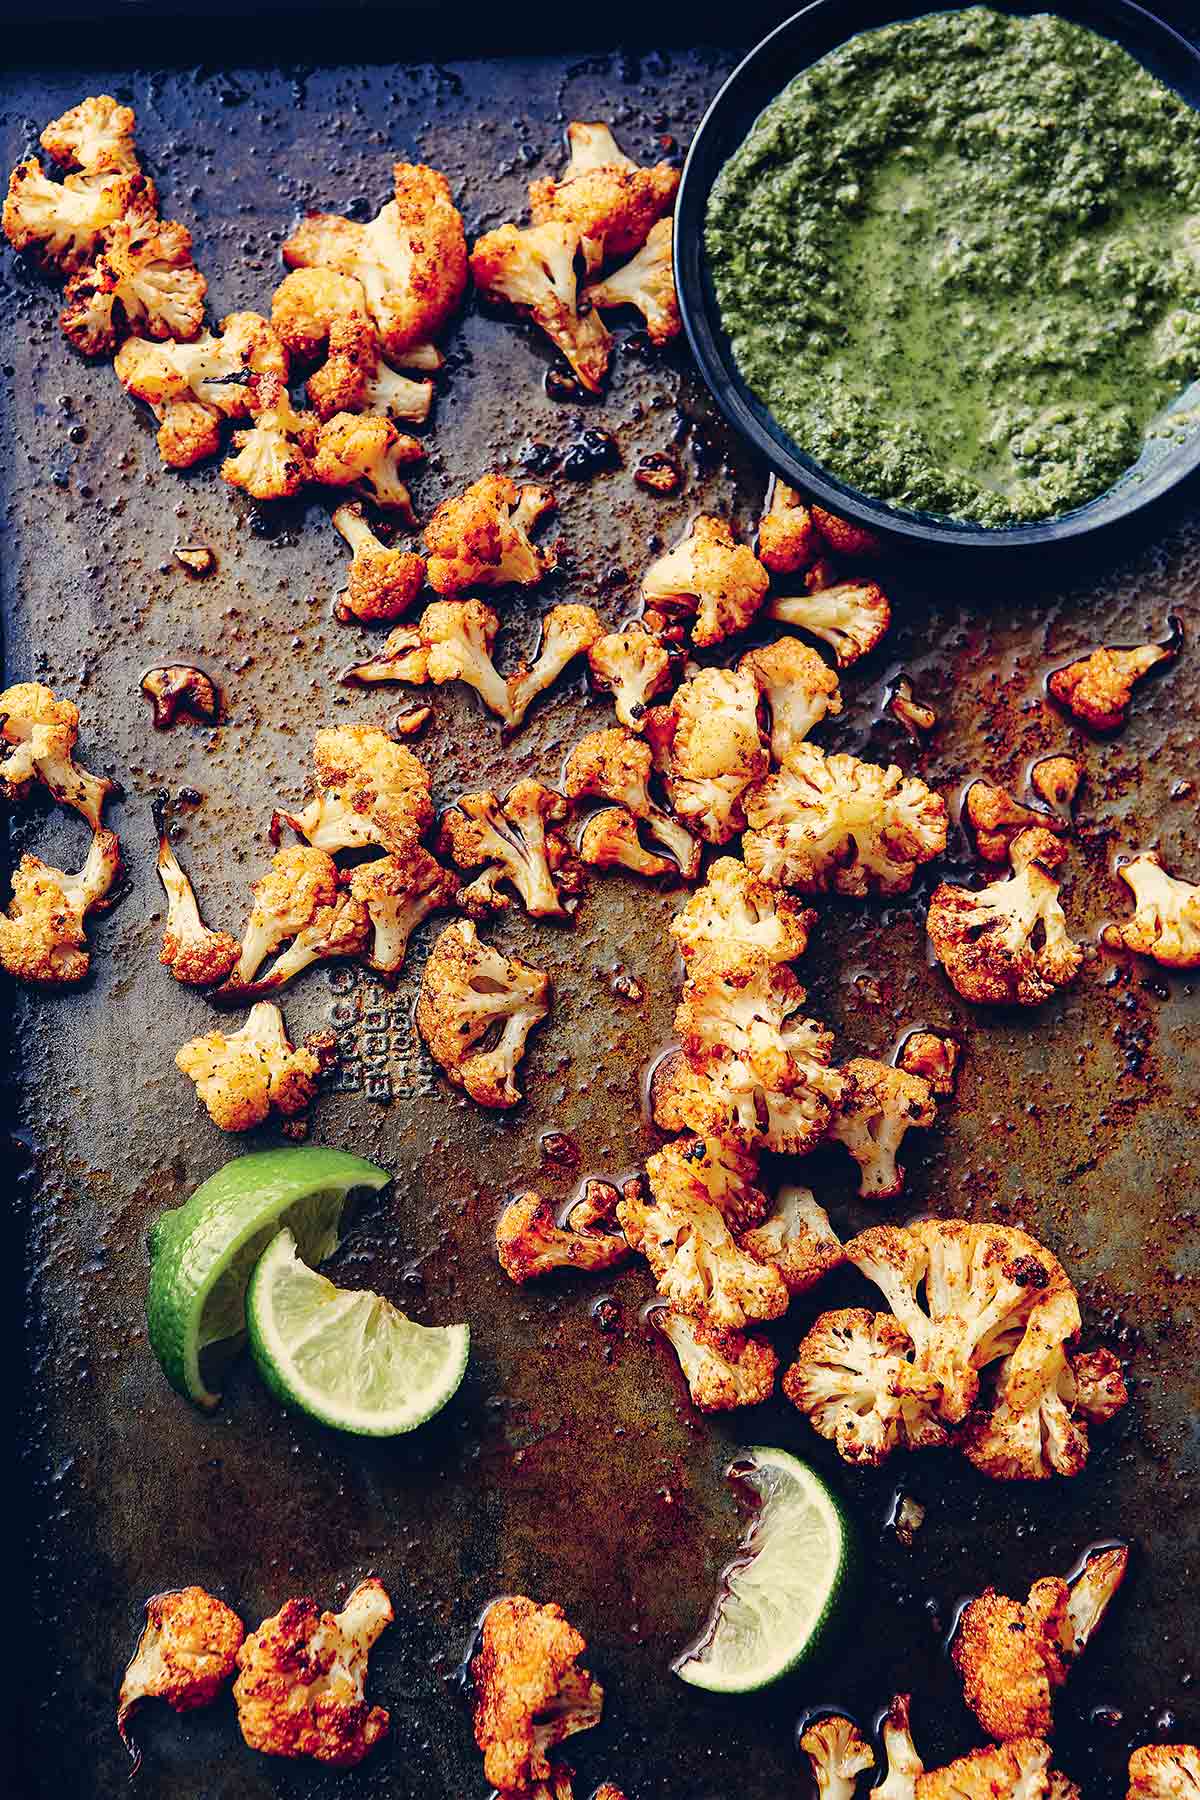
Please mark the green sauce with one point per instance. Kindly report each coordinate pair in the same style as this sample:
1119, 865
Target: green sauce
959, 260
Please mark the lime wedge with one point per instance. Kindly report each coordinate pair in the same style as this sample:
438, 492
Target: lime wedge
347, 1358
782, 1588
202, 1253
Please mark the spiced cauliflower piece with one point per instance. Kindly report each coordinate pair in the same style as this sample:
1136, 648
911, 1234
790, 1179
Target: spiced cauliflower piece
213, 370
480, 538
42, 936
410, 260
189, 431
1098, 688
609, 840
1020, 1769
1057, 779
902, 1763
996, 819
38, 733
787, 538
1166, 914
530, 1692
851, 617
833, 824
383, 581
1007, 944
616, 765
844, 537
916, 716
196, 955
1036, 1424
734, 917
712, 750
799, 688
838, 1754
354, 378
511, 841
340, 929
300, 885
710, 578
370, 791
878, 1105
306, 305
470, 992
365, 452
724, 1369
633, 665
143, 284
533, 269
604, 195
398, 892
530, 1243
647, 282
1164, 1772
933, 1057
186, 1653
273, 458
968, 1295
302, 1676
242, 1076
855, 1381
700, 1191
62, 225
796, 1238
95, 136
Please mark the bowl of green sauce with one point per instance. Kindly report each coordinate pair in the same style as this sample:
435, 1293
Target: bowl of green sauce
944, 271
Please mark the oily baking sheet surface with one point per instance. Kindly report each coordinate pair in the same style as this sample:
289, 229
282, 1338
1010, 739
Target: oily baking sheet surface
569, 1465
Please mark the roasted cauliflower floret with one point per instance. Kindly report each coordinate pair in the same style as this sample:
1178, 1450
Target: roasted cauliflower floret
534, 270
470, 994
877, 1106
633, 666
185, 1655
189, 431
604, 195
530, 1692
787, 538
366, 452
855, 1382
731, 1095
300, 885
95, 136
713, 750
827, 824
242, 1076
1037, 1422
342, 928
398, 892
194, 953
933, 1057
700, 1191
411, 259
609, 840
508, 841
302, 1676
383, 581
798, 687
1164, 1772
355, 378
530, 1243
900, 1754
989, 1291
844, 537
916, 716
735, 917
1057, 779
307, 302
1098, 688
851, 617
797, 1239
144, 283
62, 224
1008, 944
273, 459
646, 282
38, 732
838, 1755
615, 765
42, 937
1166, 914
996, 819
723, 1369
1020, 1769
749, 1016
213, 370
481, 537
710, 577
370, 790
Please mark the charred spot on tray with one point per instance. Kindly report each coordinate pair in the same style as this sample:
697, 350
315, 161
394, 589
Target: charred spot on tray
175, 688
658, 471
594, 451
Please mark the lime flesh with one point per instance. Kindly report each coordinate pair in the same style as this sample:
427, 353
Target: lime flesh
347, 1358
781, 1590
203, 1252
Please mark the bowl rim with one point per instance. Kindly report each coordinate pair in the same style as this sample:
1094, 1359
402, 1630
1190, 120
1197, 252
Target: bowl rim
780, 56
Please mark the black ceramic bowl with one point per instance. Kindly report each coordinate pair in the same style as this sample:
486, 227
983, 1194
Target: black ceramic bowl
793, 46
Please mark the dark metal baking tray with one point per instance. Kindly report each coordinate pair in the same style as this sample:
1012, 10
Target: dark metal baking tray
570, 1465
